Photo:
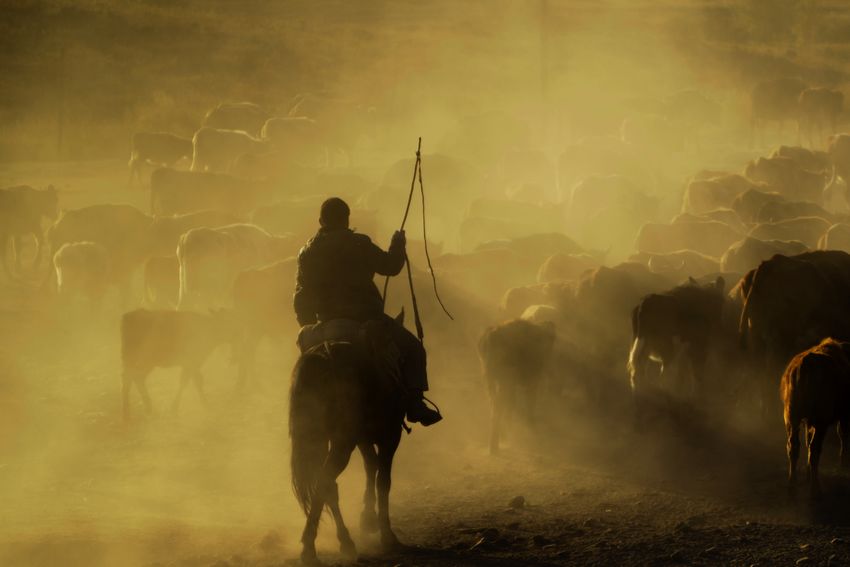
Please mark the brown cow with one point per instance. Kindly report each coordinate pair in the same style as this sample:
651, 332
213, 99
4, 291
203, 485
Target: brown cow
792, 303
163, 339
815, 389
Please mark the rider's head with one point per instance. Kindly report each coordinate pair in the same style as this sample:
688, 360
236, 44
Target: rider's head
334, 213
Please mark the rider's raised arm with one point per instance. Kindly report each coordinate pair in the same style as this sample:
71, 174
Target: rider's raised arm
387, 263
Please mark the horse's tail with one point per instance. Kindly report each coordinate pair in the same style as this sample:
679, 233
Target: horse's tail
308, 424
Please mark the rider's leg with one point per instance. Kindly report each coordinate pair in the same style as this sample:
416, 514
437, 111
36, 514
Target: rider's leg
414, 376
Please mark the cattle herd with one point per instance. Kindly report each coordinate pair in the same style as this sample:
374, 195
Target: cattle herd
596, 271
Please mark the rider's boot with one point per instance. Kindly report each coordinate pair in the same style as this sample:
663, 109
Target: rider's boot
418, 412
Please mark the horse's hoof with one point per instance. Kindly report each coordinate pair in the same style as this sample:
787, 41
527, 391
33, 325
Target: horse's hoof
348, 549
390, 542
369, 522
308, 556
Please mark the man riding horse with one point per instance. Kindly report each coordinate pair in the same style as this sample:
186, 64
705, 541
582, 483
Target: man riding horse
335, 281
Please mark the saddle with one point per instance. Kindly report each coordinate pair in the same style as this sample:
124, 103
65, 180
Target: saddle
368, 336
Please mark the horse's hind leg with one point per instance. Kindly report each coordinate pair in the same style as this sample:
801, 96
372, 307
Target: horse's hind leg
368, 518
844, 436
815, 448
792, 428
336, 463
386, 452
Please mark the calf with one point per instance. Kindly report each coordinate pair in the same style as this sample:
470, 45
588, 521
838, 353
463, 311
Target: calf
816, 389
157, 148
164, 339
513, 356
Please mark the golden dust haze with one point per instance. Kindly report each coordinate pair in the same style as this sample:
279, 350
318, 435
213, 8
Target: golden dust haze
517, 103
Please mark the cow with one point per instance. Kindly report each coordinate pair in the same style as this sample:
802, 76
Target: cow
775, 211
177, 192
838, 149
819, 109
162, 282
513, 357
157, 148
215, 150
711, 238
749, 203
804, 158
165, 231
342, 123
836, 238
82, 271
245, 116
774, 100
675, 326
726, 216
749, 252
22, 209
783, 174
602, 307
807, 230
166, 338
262, 300
606, 213
210, 260
121, 229
558, 294
815, 389
298, 139
565, 267
792, 303
679, 265
703, 195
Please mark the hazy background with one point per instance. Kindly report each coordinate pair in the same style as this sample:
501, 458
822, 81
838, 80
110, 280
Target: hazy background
78, 487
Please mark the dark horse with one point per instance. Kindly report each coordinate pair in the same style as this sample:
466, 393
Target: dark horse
342, 399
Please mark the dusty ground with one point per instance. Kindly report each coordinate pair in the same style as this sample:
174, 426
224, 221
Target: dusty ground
209, 487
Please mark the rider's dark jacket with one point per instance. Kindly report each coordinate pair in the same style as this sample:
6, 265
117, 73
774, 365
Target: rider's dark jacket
336, 271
